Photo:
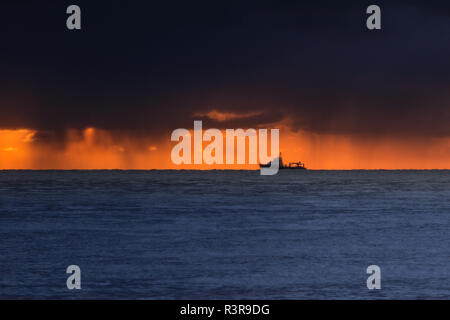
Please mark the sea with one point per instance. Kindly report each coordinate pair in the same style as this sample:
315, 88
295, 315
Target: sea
225, 234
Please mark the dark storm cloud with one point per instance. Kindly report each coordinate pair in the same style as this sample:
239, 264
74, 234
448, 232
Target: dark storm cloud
148, 68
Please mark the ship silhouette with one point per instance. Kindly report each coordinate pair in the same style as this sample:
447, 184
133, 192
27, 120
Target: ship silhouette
292, 165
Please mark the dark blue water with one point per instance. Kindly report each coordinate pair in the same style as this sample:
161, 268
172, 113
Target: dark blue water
225, 234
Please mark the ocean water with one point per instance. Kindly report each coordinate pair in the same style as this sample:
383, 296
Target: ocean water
225, 234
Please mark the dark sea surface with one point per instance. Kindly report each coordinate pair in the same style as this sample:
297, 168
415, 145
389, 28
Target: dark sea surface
225, 234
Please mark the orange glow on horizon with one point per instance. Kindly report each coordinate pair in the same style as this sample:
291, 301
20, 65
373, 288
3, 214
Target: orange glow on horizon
15, 148
93, 148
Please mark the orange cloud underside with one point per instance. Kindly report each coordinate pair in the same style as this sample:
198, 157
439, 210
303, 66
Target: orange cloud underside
99, 149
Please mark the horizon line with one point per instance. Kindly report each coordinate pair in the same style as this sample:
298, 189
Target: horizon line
355, 169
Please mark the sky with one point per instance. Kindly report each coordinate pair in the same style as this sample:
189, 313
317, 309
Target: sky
109, 96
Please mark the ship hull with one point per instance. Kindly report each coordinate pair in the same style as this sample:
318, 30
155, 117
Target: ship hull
283, 168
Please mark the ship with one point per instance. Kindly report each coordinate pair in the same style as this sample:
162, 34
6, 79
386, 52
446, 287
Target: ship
291, 165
